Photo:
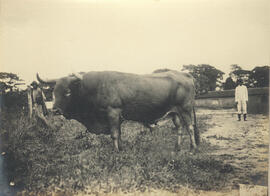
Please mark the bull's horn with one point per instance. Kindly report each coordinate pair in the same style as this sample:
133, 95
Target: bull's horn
49, 82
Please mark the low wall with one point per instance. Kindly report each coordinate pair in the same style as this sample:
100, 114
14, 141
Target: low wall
258, 102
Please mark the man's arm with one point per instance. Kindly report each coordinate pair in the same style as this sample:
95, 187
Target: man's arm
43, 96
246, 92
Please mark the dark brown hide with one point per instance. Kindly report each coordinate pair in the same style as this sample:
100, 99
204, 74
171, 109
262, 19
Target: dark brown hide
101, 100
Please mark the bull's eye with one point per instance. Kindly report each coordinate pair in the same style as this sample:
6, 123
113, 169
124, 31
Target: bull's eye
68, 93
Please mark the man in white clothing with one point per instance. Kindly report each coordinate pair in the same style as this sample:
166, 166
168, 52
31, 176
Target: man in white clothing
241, 99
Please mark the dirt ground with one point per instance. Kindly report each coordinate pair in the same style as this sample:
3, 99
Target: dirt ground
243, 144
232, 152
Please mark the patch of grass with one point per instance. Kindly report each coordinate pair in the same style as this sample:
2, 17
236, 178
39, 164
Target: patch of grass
70, 159
219, 137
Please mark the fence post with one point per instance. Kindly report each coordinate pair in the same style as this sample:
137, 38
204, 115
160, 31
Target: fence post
30, 106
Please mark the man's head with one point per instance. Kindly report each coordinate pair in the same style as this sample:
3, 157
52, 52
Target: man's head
34, 84
240, 82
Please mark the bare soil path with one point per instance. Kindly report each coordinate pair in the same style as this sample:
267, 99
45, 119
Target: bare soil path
244, 144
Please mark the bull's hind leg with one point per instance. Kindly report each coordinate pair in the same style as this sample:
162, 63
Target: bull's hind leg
188, 122
177, 121
115, 125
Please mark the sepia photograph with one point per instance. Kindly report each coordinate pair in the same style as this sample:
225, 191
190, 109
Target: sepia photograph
134, 97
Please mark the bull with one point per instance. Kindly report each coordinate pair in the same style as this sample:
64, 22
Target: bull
101, 101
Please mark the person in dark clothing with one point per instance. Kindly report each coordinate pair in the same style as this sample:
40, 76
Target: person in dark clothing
38, 98
38, 103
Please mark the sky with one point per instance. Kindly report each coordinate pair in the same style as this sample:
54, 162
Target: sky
58, 37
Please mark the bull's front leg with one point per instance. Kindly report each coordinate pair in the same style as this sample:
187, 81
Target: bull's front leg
115, 126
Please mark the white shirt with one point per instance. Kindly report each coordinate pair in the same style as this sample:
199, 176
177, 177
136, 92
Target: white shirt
241, 93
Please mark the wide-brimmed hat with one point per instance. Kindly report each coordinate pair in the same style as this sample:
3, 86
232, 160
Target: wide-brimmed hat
34, 83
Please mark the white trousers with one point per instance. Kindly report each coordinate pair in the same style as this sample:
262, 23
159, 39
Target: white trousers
242, 107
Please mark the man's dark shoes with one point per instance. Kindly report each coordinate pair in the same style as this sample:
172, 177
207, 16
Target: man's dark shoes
245, 117
239, 117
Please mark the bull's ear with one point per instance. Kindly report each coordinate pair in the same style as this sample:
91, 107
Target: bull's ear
74, 84
77, 75
68, 93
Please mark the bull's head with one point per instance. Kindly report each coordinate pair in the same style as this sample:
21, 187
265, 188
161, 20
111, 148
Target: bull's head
63, 94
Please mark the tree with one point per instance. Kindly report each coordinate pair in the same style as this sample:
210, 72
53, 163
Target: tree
244, 75
235, 67
259, 76
229, 84
207, 77
161, 70
9, 82
11, 97
236, 73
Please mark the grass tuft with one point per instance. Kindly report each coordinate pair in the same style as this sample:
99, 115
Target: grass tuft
68, 158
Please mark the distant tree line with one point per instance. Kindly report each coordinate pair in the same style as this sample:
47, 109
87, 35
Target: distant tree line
208, 78
11, 97
9, 82
257, 77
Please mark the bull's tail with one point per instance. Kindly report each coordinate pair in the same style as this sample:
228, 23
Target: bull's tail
196, 131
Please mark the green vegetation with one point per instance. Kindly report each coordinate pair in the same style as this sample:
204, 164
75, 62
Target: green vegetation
255, 78
9, 82
39, 159
71, 159
207, 77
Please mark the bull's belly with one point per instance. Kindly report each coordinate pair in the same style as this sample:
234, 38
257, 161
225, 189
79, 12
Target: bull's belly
98, 127
96, 123
144, 114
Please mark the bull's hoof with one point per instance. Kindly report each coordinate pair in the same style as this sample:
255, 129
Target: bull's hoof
193, 146
177, 148
194, 151
117, 149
